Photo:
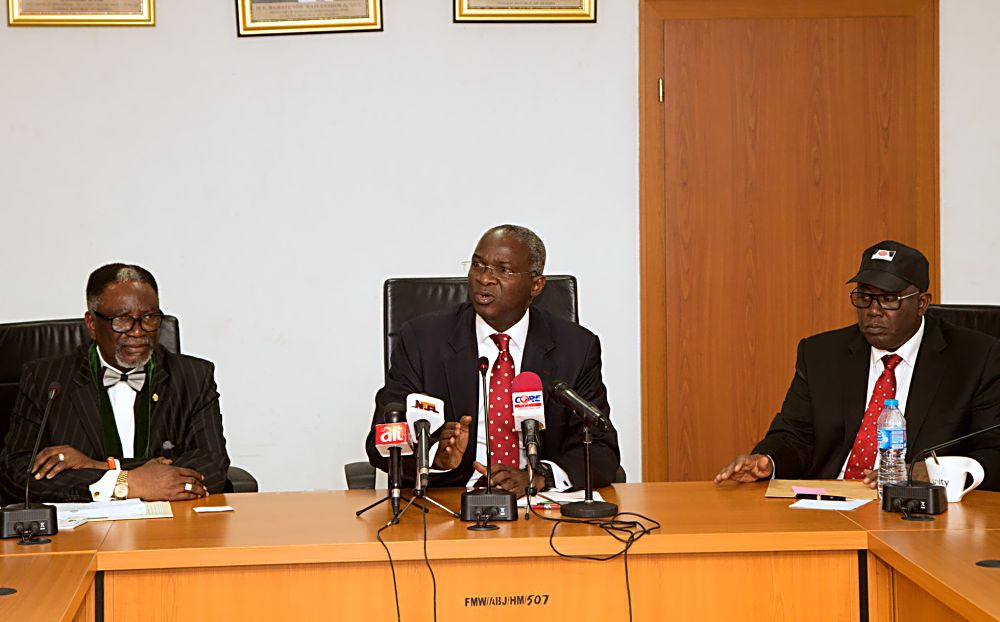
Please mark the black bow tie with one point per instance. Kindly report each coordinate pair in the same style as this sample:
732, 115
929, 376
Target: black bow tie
134, 379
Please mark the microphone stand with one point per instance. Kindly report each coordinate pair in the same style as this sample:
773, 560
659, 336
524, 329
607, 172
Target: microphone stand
588, 508
529, 491
420, 490
393, 495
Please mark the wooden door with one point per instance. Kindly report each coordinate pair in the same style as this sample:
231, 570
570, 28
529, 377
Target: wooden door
791, 136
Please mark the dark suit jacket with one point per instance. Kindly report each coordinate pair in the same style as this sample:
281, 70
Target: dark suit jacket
186, 413
955, 390
437, 354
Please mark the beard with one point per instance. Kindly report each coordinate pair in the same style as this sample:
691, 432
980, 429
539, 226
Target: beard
132, 362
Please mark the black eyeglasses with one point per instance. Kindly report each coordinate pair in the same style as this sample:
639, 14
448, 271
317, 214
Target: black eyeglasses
889, 302
125, 323
500, 272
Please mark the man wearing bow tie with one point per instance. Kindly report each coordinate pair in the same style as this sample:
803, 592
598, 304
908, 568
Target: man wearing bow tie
132, 419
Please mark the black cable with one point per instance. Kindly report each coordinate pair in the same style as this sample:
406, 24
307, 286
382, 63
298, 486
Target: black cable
626, 531
427, 561
392, 567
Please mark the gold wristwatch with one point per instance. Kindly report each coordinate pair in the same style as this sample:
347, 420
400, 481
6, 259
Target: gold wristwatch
121, 486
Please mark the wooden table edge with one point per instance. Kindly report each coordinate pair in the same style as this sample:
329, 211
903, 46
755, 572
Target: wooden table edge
925, 578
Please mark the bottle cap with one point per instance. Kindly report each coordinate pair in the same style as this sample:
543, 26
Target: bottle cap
893, 403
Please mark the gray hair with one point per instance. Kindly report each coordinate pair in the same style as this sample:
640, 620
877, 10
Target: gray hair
115, 273
534, 244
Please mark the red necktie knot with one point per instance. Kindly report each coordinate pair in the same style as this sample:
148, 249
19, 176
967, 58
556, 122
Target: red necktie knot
501, 340
891, 361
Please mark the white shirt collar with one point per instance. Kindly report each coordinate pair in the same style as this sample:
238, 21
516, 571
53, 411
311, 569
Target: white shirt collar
518, 333
105, 363
908, 351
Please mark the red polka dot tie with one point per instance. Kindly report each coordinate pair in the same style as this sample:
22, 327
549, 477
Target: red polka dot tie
503, 439
865, 445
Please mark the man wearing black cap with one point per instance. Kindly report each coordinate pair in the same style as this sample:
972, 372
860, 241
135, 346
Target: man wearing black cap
946, 379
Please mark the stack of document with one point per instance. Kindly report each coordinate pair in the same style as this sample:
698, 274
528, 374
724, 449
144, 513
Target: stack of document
560, 498
72, 515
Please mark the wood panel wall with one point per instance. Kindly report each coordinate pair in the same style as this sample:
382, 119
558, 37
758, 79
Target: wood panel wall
792, 135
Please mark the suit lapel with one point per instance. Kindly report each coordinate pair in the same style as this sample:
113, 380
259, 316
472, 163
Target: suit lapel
537, 347
853, 390
927, 375
460, 368
83, 396
160, 403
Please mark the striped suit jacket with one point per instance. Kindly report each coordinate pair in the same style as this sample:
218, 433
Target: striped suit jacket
185, 412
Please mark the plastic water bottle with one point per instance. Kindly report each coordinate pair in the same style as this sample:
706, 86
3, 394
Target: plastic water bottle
891, 446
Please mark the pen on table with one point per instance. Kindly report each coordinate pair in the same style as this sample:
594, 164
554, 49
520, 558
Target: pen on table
545, 506
803, 495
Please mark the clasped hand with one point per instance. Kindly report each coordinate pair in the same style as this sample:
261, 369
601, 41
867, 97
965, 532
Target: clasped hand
156, 480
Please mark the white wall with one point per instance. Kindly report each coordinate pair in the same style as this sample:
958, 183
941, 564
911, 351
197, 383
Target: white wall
970, 150
273, 183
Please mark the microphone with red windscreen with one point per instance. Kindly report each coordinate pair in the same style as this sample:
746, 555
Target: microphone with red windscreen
529, 413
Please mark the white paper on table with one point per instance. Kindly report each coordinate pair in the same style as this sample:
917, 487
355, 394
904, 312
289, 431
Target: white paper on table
816, 504
113, 510
208, 509
550, 496
70, 522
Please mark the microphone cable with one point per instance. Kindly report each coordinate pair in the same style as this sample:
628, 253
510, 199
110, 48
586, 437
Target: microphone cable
392, 566
627, 532
427, 561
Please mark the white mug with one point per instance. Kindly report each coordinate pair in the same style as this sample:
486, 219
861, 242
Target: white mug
950, 472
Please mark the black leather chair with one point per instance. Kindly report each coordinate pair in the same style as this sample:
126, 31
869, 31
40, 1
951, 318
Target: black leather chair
26, 341
984, 318
405, 299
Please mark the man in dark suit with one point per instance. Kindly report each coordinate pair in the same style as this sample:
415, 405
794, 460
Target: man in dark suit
946, 379
438, 355
130, 418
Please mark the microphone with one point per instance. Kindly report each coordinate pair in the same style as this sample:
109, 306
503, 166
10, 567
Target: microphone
922, 497
484, 367
529, 413
30, 520
392, 440
481, 505
422, 413
954, 441
590, 414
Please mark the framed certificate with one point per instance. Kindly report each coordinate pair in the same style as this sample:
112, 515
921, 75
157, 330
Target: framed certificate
81, 13
525, 10
282, 17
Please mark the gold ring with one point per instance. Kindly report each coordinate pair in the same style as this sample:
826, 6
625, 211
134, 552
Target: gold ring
62, 458
188, 487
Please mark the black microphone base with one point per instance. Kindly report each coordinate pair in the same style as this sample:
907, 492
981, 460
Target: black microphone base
589, 509
482, 505
37, 520
919, 498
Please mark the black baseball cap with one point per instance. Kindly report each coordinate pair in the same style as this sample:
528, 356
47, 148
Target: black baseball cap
893, 267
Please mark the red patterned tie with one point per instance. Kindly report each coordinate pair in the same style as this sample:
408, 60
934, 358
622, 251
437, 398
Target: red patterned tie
503, 439
865, 448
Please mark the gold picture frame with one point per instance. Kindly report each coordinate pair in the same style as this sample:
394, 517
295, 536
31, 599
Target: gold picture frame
525, 10
81, 13
283, 17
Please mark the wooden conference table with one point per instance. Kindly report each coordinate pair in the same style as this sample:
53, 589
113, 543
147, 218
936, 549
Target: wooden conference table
721, 552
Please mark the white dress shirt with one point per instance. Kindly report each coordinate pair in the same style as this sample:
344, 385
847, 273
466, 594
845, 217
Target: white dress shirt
122, 399
903, 372
518, 334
